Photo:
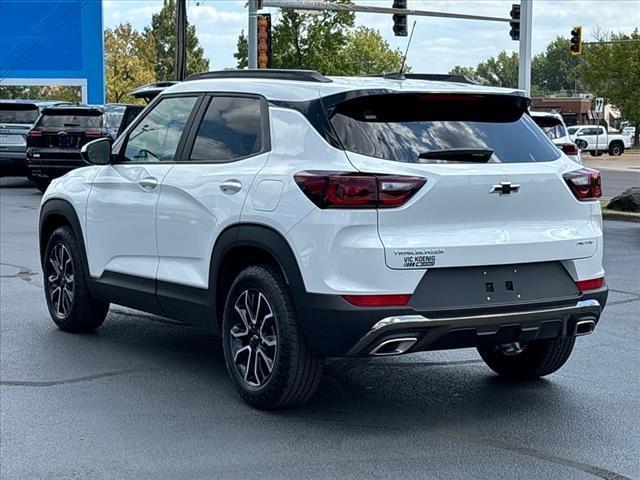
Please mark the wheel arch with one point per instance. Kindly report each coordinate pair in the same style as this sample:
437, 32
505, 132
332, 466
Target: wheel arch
56, 213
246, 244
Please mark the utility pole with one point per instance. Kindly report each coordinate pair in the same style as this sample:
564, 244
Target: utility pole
253, 34
181, 40
524, 70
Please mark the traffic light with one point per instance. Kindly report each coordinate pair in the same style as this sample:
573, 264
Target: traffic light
264, 40
515, 26
576, 40
399, 20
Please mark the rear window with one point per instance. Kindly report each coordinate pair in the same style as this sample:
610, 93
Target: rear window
71, 118
401, 127
18, 113
551, 126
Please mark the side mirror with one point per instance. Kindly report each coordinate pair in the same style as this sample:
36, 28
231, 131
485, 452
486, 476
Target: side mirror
97, 152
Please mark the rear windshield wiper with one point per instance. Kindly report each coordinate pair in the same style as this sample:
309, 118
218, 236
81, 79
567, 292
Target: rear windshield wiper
478, 155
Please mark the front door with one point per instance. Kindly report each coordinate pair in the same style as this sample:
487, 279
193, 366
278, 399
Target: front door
121, 210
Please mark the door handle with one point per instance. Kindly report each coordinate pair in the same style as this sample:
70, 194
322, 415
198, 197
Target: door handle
231, 186
148, 183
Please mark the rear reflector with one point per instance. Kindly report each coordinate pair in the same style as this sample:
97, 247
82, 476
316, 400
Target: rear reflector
377, 300
357, 190
593, 284
585, 183
35, 133
570, 149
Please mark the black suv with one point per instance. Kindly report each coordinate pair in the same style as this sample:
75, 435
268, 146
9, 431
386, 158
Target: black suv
54, 143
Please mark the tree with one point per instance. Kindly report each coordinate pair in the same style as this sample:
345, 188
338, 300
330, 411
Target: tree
306, 40
500, 71
366, 52
613, 72
555, 70
163, 34
129, 61
468, 72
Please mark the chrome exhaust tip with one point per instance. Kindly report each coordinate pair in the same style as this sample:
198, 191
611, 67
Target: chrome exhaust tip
394, 346
584, 327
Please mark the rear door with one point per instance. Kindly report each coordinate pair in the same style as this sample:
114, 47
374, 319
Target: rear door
203, 194
121, 209
508, 206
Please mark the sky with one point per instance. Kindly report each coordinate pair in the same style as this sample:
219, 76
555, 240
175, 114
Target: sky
438, 44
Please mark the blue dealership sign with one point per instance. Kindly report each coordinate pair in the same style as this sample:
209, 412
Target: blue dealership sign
57, 42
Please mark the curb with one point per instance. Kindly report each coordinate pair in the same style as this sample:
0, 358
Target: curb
623, 216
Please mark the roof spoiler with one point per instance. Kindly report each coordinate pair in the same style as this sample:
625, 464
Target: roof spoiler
151, 90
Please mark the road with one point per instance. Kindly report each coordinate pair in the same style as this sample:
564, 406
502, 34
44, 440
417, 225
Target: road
614, 182
145, 398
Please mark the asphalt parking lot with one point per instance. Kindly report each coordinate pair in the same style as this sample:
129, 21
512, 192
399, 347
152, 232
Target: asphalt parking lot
146, 398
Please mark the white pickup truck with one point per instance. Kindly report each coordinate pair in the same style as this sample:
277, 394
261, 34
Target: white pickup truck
596, 140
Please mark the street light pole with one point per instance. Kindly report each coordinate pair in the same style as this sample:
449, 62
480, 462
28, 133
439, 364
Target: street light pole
524, 70
253, 34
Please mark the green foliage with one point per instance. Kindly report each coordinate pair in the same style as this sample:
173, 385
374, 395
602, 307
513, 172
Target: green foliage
49, 92
326, 42
613, 72
162, 33
128, 61
555, 70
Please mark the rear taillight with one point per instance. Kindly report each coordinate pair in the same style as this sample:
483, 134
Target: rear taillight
357, 190
592, 284
570, 149
93, 133
34, 133
377, 300
585, 183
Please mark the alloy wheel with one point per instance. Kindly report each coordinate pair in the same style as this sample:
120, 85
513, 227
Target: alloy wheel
60, 280
253, 337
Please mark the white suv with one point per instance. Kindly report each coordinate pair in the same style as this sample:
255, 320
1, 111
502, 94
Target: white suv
305, 217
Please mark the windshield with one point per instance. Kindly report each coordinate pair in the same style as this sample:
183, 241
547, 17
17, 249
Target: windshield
552, 126
71, 118
18, 113
401, 127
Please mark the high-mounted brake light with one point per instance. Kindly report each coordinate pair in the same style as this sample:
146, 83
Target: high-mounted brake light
357, 190
377, 300
585, 183
570, 149
592, 284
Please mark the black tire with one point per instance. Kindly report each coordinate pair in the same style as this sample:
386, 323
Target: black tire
42, 185
295, 371
616, 149
72, 309
537, 358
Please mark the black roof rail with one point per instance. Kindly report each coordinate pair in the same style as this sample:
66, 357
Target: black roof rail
437, 77
274, 74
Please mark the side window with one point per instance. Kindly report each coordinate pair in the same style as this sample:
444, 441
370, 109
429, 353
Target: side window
231, 129
156, 137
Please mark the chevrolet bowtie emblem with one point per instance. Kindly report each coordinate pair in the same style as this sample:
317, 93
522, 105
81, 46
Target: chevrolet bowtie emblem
505, 188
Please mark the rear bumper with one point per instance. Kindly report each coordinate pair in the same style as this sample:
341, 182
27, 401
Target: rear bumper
333, 327
54, 164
